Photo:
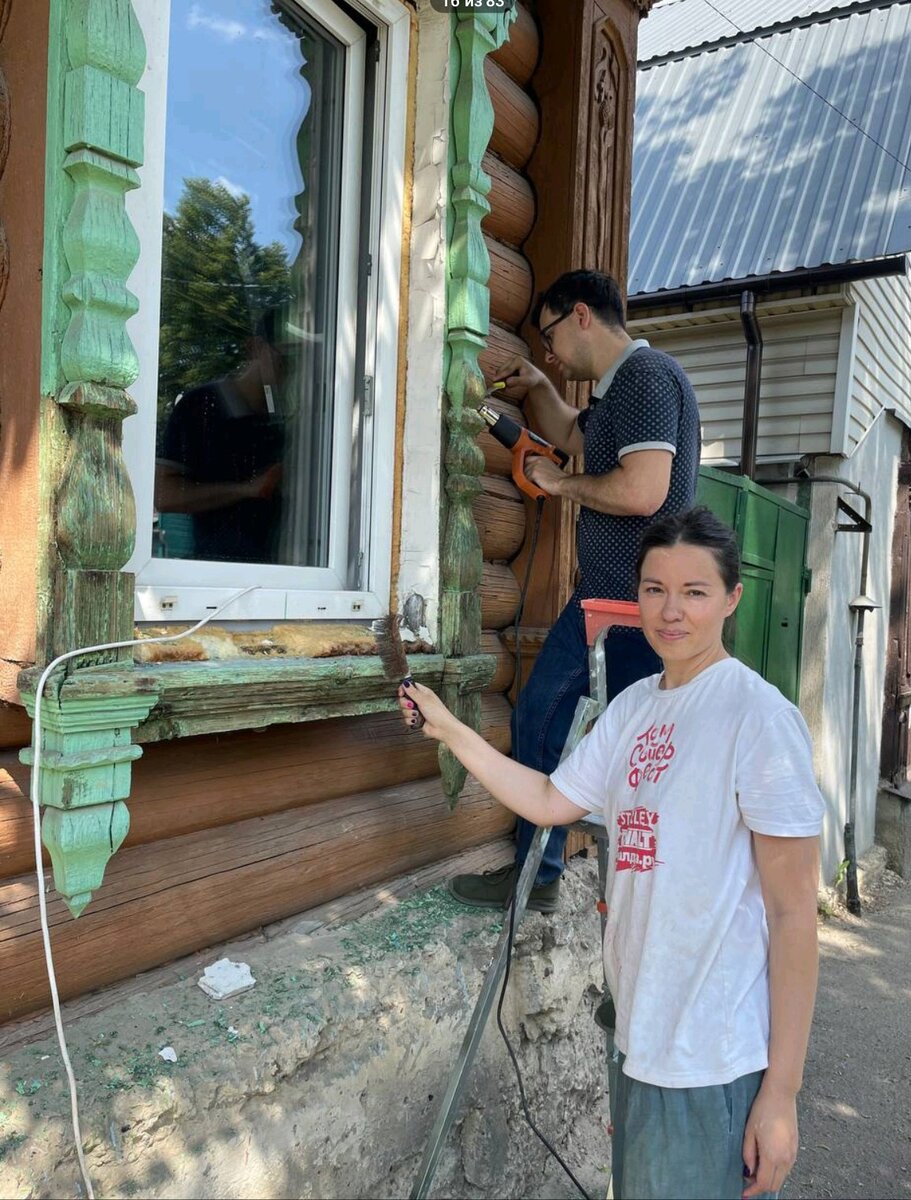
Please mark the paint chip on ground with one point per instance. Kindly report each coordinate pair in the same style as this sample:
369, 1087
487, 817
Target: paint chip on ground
226, 978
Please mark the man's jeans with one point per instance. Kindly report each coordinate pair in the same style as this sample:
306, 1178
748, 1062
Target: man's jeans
546, 705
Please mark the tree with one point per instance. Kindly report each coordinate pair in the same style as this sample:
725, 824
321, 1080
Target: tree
216, 284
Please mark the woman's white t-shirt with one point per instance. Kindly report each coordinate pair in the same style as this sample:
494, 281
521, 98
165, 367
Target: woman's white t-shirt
683, 777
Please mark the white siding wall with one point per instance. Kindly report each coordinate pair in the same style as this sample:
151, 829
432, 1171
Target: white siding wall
799, 368
882, 364
827, 667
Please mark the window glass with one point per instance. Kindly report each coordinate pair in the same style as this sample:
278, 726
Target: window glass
252, 297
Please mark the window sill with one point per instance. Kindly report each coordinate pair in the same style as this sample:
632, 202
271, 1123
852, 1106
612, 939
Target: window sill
220, 697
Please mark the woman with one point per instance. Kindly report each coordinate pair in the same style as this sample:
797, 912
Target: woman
704, 778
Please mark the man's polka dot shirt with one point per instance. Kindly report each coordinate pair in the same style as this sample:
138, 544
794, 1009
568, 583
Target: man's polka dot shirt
649, 405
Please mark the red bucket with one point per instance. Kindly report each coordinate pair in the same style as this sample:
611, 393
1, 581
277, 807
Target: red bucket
600, 614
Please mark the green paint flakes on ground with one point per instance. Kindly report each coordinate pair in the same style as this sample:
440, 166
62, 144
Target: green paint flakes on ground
410, 926
28, 1087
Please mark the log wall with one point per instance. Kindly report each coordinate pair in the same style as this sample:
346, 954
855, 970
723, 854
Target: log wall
563, 90
501, 513
228, 832
173, 896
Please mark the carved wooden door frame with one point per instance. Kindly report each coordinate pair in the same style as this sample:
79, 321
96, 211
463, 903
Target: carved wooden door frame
585, 85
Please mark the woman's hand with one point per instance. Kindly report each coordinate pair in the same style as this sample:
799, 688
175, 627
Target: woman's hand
770, 1139
439, 723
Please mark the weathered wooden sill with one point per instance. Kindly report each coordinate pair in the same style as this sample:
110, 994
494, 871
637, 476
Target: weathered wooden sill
217, 697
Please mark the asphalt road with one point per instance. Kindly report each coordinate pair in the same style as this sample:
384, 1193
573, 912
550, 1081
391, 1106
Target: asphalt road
855, 1110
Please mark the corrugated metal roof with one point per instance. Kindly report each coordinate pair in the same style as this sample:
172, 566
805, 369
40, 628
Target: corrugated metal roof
739, 169
677, 25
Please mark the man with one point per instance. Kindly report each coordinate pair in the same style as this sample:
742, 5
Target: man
640, 439
222, 454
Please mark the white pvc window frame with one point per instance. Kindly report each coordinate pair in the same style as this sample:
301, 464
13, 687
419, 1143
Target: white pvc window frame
186, 589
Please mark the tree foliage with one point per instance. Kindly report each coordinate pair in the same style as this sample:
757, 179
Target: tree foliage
216, 284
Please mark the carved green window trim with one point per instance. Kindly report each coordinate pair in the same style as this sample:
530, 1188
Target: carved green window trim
96, 713
468, 324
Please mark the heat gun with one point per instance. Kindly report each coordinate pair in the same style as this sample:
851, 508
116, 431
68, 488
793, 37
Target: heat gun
522, 444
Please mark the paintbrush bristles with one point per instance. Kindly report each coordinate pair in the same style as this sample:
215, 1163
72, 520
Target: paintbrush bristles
389, 646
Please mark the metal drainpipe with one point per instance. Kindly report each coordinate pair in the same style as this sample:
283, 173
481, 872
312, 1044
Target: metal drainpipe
753, 337
852, 895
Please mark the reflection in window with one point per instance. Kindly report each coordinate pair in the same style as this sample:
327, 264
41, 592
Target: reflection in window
251, 296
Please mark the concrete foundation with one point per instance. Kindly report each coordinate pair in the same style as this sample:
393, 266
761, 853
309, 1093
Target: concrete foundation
324, 1080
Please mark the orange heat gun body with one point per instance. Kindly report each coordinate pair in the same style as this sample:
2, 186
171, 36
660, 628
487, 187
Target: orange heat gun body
522, 444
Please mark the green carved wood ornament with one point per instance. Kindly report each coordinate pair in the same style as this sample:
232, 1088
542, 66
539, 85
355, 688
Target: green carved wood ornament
468, 323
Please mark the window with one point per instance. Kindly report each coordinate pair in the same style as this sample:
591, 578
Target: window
270, 223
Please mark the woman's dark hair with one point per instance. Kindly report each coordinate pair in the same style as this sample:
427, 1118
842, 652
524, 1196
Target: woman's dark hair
599, 291
695, 527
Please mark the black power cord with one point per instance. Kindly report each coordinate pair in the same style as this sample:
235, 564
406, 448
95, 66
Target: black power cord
523, 594
515, 1062
539, 512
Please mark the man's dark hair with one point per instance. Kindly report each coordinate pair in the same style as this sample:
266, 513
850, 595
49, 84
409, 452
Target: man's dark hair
270, 323
695, 527
599, 291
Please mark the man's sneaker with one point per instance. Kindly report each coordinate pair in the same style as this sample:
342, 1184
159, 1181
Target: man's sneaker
494, 889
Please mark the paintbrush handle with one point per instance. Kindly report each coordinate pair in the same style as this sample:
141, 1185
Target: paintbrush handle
417, 712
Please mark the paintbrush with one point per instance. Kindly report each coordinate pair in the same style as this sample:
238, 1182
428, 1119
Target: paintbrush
392, 655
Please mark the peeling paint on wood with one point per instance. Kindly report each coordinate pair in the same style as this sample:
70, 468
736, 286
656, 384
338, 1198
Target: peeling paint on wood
188, 699
94, 145
468, 318
85, 777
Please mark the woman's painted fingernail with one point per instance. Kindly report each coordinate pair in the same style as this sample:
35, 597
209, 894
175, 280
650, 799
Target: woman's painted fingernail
406, 683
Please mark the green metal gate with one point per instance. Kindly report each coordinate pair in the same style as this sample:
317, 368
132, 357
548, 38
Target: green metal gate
768, 626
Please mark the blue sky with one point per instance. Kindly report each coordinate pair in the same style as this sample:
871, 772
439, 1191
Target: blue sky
236, 100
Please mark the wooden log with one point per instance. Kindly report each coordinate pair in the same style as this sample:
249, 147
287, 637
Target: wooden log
15, 726
27, 466
17, 846
510, 283
180, 895
512, 203
502, 345
518, 56
516, 121
500, 519
492, 643
499, 596
505, 489
192, 784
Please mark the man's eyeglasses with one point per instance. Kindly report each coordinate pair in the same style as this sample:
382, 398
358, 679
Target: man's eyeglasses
545, 334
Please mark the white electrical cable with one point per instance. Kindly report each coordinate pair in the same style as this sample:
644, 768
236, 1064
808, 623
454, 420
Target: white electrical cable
39, 868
